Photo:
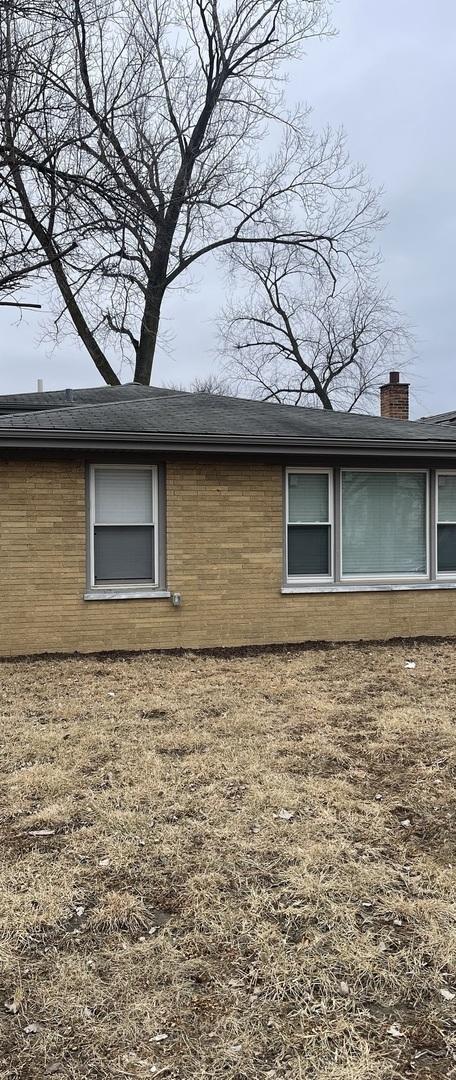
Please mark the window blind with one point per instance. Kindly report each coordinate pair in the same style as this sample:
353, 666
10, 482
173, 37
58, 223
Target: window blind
308, 497
383, 523
447, 498
123, 497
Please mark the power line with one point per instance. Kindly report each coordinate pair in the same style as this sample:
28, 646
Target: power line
10, 303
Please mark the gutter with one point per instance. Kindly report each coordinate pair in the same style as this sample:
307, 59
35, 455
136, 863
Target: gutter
227, 444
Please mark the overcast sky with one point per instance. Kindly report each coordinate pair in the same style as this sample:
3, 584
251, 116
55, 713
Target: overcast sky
390, 79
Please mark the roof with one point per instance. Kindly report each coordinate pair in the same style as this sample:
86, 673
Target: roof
146, 417
94, 395
439, 418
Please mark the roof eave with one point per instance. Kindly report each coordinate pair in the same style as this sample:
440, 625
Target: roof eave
239, 444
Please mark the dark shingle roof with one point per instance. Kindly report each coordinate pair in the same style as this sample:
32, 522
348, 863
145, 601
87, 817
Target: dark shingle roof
439, 418
153, 413
56, 399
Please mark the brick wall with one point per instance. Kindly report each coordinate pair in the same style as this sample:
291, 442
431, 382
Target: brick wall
224, 554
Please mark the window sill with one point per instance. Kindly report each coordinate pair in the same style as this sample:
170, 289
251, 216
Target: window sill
127, 594
373, 587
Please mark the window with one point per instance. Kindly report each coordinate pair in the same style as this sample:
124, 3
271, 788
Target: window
384, 524
123, 526
309, 524
361, 528
446, 523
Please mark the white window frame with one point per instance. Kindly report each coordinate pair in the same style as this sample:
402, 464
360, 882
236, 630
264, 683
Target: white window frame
363, 578
441, 575
125, 586
314, 579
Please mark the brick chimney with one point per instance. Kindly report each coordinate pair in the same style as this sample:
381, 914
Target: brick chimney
394, 398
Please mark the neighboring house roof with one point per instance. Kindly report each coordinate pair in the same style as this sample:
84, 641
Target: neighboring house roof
175, 420
439, 418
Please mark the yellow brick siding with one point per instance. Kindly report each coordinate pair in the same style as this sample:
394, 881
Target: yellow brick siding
224, 554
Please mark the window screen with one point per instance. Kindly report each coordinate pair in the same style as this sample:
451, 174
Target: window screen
446, 523
124, 526
309, 525
383, 524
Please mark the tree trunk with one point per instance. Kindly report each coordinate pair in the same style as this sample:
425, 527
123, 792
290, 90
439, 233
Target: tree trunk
325, 400
148, 337
155, 292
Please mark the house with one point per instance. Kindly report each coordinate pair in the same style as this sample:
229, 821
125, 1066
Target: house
140, 518
439, 418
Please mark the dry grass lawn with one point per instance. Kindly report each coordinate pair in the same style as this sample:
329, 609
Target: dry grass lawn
237, 867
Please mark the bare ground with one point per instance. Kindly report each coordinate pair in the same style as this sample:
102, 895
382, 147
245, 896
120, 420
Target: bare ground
237, 867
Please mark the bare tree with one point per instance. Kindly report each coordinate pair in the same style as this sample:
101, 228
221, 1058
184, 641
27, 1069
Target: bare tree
21, 257
19, 269
212, 384
206, 384
132, 136
298, 342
